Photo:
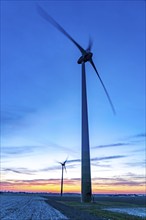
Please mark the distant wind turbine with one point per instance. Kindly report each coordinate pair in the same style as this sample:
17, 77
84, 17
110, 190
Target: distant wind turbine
86, 56
63, 167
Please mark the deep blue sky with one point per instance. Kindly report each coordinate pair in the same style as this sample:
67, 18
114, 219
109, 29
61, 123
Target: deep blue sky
41, 83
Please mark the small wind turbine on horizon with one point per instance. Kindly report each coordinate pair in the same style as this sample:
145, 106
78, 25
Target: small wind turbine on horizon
86, 190
63, 167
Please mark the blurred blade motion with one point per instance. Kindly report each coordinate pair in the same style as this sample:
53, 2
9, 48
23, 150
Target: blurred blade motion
65, 169
109, 99
47, 17
86, 54
90, 45
66, 160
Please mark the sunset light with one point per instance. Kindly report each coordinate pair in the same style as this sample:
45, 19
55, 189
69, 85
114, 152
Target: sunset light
41, 116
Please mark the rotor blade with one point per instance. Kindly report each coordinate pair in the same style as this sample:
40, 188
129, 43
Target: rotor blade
66, 160
92, 63
47, 17
65, 169
90, 45
59, 162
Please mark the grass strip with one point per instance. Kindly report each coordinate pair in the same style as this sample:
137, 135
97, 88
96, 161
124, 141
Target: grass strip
97, 209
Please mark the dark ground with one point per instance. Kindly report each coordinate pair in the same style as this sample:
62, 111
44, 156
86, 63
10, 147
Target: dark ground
74, 213
71, 212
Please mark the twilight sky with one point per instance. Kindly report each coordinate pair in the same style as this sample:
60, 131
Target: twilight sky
41, 95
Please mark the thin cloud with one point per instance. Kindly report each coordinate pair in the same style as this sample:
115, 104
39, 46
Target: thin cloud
13, 119
127, 183
8, 151
58, 167
138, 150
108, 158
116, 181
74, 161
57, 146
19, 171
15, 114
93, 160
11, 170
50, 168
103, 182
136, 164
100, 165
136, 137
134, 176
98, 158
33, 182
111, 145
140, 135
24, 150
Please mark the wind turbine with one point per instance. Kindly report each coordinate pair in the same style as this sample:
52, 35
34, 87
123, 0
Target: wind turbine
63, 167
86, 56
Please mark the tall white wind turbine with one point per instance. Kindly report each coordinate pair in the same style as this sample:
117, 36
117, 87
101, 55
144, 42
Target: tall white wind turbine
86, 189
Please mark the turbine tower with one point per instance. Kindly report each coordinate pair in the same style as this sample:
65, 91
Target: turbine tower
86, 56
63, 167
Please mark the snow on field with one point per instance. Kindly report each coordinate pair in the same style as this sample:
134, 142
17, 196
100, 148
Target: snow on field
27, 207
141, 212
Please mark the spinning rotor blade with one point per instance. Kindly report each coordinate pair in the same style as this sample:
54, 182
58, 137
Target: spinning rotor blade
113, 109
47, 17
66, 160
90, 45
65, 169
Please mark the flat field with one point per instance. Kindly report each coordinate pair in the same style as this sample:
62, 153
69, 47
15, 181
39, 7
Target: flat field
27, 207
103, 207
19, 206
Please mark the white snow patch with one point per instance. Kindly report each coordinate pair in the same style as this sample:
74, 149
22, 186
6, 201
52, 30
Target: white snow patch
14, 207
141, 212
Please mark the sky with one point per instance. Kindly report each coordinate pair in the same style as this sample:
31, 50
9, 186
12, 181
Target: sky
41, 96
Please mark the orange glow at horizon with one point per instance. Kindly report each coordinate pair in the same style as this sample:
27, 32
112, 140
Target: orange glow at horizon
70, 187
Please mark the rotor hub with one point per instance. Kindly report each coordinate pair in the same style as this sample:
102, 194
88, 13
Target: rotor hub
84, 58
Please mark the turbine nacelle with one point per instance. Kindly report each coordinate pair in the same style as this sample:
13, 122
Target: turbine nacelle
63, 164
85, 57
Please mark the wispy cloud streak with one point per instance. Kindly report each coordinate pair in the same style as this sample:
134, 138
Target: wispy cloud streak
111, 145
98, 181
19, 171
136, 164
131, 140
139, 135
14, 114
108, 158
98, 158
17, 152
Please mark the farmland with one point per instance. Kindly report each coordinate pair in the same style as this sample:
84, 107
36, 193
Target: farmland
25, 206
103, 207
